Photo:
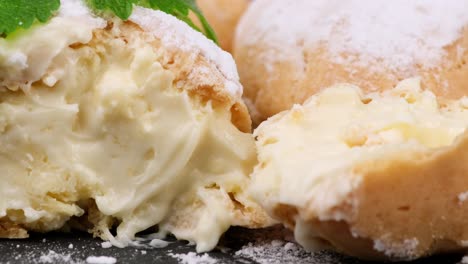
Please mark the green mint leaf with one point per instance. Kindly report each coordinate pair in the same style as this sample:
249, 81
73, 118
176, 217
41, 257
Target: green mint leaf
16, 14
178, 8
121, 8
181, 10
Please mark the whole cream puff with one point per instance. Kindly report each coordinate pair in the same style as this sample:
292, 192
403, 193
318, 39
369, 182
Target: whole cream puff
289, 50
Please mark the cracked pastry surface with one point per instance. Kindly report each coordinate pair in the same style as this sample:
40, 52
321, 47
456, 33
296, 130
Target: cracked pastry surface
127, 124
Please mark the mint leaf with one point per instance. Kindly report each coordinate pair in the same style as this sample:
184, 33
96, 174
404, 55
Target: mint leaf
23, 13
16, 14
181, 10
121, 8
178, 8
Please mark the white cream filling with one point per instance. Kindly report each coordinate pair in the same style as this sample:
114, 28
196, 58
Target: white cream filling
307, 154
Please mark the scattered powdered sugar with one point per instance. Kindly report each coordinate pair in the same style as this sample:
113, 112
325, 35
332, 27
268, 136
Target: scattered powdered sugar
270, 245
178, 35
54, 257
393, 35
101, 260
464, 260
194, 258
279, 252
397, 250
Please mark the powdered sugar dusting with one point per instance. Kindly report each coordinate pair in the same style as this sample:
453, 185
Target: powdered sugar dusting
464, 260
389, 35
78, 9
101, 260
54, 257
397, 250
178, 35
193, 258
279, 251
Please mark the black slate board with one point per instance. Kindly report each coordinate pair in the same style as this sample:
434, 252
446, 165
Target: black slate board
30, 250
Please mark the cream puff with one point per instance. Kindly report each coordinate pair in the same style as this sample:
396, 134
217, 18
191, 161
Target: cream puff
120, 124
287, 51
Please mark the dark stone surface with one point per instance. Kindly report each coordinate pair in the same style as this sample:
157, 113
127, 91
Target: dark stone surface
83, 245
